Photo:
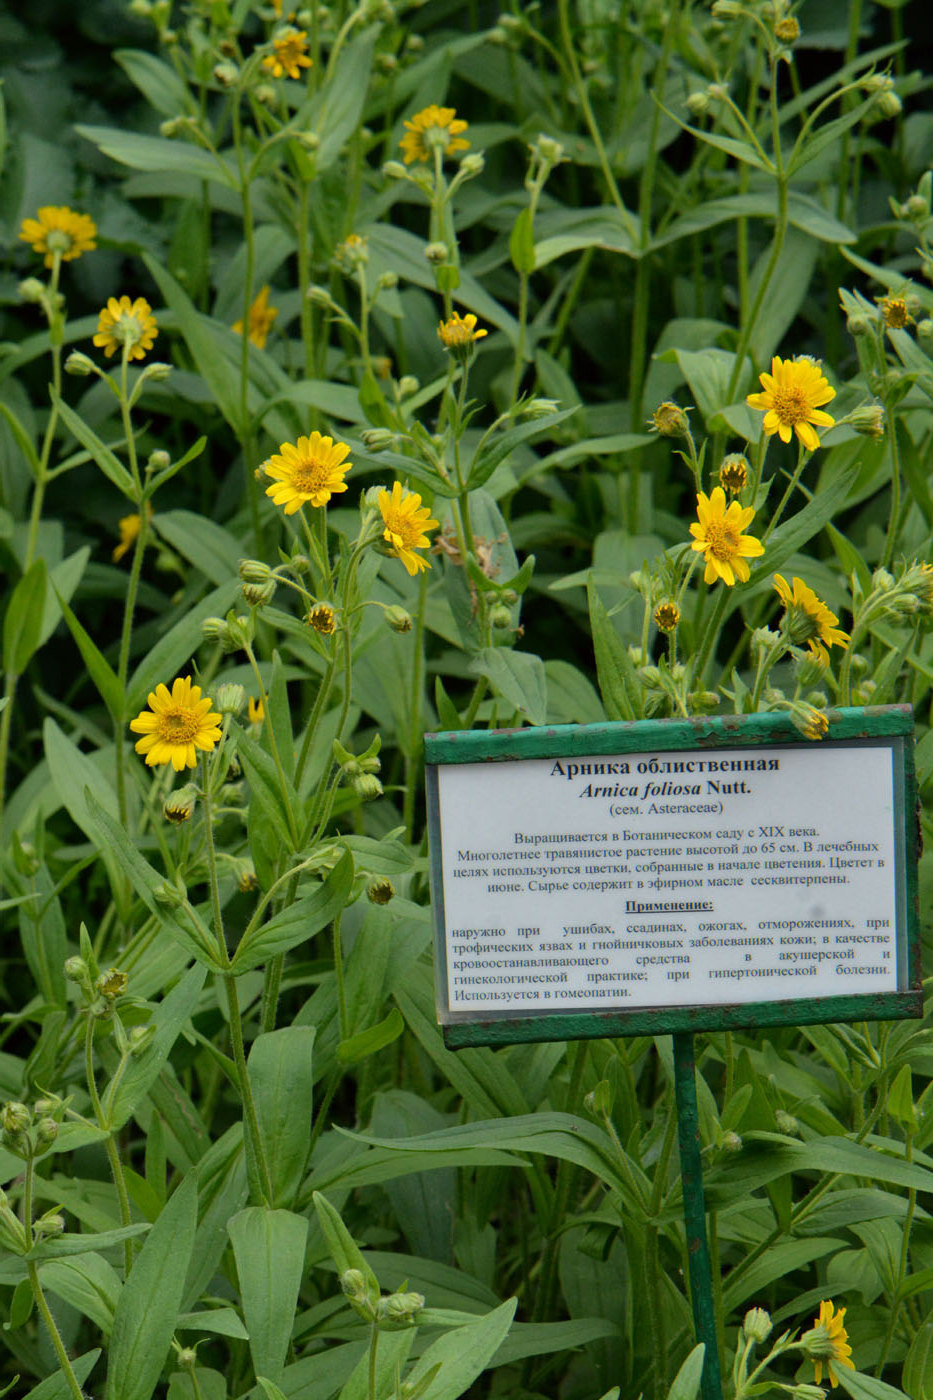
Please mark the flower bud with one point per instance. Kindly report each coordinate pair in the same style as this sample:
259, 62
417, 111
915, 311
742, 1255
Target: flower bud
15, 1117
787, 30
698, 104
394, 170
859, 324
398, 619
733, 473
667, 616
400, 1308
188, 1358
380, 891
757, 1325
786, 1123
46, 1132
168, 895
378, 439
139, 1038
366, 786
230, 698
925, 330
731, 1142
178, 807
882, 581
436, 253
246, 879
226, 74
889, 104
501, 617
353, 1284
408, 385
76, 970
80, 365
386, 282
539, 408
472, 164
32, 290
52, 1224
868, 420
259, 595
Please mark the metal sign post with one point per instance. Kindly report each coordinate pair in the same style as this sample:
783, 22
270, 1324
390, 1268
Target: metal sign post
674, 876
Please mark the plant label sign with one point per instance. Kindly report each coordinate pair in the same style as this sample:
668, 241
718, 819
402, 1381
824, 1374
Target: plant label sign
670, 875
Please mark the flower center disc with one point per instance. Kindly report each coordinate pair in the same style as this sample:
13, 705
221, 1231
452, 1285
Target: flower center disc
310, 476
791, 405
721, 540
179, 726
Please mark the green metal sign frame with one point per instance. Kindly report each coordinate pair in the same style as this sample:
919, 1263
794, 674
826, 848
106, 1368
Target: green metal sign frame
881, 725
887, 725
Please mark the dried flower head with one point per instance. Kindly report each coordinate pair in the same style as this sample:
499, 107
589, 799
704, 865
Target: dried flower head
895, 312
733, 473
670, 420
323, 619
667, 616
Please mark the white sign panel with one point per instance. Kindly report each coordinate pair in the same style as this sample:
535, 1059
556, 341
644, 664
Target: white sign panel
669, 879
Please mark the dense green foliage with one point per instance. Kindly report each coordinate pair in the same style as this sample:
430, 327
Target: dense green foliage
237, 1157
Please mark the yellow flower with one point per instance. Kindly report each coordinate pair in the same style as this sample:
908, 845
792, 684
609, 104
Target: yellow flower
459, 331
291, 53
129, 533
175, 725
322, 619
793, 394
433, 128
718, 536
261, 317
667, 617
60, 230
405, 521
129, 323
312, 470
808, 619
255, 711
827, 1343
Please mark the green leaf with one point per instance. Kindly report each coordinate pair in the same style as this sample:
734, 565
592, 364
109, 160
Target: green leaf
269, 1248
462, 1354
87, 1283
99, 669
498, 447
281, 808
447, 712
157, 153
147, 1309
208, 546
23, 440
341, 1245
901, 1098
63, 1246
208, 344
223, 1322
518, 677
157, 81
365, 1043
106, 459
57, 1387
336, 108
299, 922
917, 1377
125, 1092
802, 212
179, 918
282, 1078
808, 147
73, 775
163, 661
862, 1387
522, 243
614, 670
686, 1384
22, 624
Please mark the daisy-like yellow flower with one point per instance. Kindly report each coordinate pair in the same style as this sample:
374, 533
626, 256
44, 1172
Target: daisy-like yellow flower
124, 322
808, 619
895, 313
459, 331
311, 471
827, 1343
433, 128
792, 399
255, 710
405, 521
261, 317
733, 473
177, 724
667, 617
58, 229
290, 53
717, 535
128, 526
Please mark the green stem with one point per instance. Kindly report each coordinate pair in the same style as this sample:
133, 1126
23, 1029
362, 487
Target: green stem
245, 431
415, 719
894, 519
373, 1348
896, 1300
802, 458
276, 757
710, 635
342, 1013
113, 1156
236, 1024
60, 1351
